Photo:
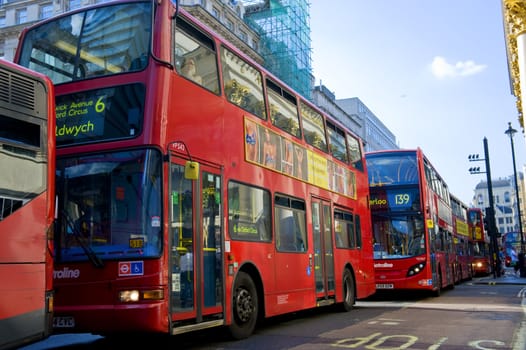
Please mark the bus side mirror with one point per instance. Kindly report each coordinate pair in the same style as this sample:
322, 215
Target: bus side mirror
191, 170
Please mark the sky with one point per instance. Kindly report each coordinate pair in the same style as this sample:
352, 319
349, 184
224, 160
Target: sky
435, 72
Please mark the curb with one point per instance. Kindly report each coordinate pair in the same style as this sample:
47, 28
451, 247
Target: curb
492, 283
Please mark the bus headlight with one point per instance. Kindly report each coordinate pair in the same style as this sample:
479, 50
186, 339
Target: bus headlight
415, 269
131, 296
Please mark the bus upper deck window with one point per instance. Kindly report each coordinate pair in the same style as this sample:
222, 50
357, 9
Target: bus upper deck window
195, 57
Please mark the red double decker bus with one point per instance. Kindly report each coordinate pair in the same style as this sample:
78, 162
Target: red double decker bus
481, 261
462, 253
27, 197
195, 189
412, 222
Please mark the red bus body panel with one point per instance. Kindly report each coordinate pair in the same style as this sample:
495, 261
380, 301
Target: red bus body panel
26, 252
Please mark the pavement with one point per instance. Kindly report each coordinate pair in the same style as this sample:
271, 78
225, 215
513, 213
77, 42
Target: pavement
509, 277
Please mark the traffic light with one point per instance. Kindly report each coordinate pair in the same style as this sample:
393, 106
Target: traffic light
486, 224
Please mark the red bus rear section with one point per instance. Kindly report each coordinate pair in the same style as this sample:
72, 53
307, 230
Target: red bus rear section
194, 188
462, 256
27, 160
412, 222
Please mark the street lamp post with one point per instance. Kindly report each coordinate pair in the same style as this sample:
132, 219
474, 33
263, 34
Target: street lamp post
511, 132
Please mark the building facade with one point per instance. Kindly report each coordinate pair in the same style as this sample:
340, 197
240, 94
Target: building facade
376, 135
514, 18
505, 201
355, 115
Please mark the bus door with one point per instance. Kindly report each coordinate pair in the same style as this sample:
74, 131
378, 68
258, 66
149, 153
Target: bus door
323, 248
195, 236
293, 260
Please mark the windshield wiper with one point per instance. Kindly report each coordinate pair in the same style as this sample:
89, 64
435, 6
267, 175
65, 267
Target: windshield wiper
90, 253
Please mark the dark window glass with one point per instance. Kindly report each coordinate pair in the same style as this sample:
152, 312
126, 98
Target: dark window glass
93, 43
248, 212
290, 224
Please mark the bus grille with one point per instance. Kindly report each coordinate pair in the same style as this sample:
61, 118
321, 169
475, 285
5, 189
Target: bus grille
17, 90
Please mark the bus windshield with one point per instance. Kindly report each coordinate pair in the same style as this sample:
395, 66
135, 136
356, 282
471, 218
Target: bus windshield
92, 43
111, 205
392, 169
398, 236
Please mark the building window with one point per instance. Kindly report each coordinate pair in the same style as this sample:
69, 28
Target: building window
480, 199
2, 21
230, 25
216, 13
361, 108
46, 11
507, 197
73, 4
21, 16
243, 35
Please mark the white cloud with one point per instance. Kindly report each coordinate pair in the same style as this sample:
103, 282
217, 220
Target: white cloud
442, 69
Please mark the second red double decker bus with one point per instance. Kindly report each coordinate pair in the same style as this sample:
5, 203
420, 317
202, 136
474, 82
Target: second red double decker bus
27, 205
412, 222
195, 189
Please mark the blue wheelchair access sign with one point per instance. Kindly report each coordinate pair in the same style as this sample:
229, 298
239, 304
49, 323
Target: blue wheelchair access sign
131, 268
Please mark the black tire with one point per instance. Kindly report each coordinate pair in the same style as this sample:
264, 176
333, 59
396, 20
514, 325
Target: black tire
438, 291
245, 307
348, 291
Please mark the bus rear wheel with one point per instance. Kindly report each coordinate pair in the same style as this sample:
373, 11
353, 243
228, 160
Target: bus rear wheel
245, 307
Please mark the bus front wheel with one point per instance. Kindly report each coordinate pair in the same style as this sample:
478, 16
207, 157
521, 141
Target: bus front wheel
438, 291
244, 307
348, 291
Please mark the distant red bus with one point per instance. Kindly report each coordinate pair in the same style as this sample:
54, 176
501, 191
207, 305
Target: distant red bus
462, 257
481, 262
27, 196
195, 189
412, 222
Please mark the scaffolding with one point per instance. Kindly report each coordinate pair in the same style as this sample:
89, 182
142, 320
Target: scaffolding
285, 43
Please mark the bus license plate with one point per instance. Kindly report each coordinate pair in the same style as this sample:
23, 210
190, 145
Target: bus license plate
63, 322
384, 286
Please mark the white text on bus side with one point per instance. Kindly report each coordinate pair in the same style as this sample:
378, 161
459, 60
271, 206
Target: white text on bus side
66, 273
